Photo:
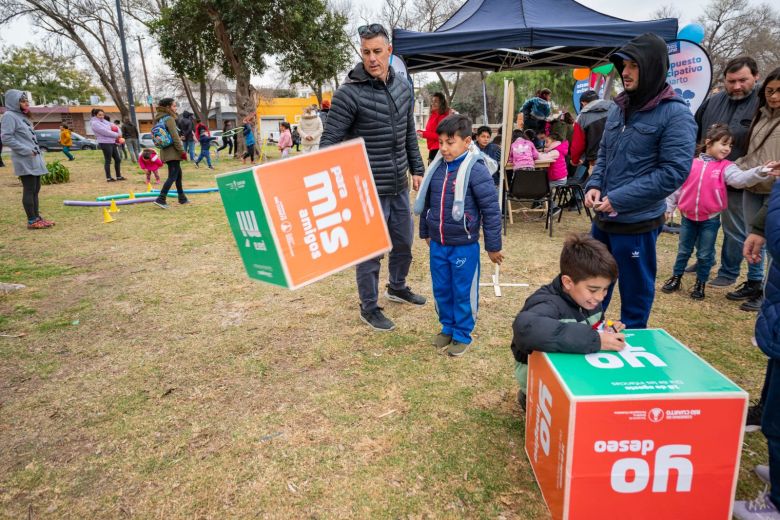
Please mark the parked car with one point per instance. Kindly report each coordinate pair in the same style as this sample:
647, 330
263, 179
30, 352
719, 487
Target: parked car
218, 141
146, 141
50, 140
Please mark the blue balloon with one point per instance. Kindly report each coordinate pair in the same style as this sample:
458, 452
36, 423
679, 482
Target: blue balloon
692, 32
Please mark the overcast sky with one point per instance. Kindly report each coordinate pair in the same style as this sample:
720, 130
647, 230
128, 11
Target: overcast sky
20, 32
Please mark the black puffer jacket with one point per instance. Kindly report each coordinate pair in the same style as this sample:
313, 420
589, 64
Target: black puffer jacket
383, 115
550, 321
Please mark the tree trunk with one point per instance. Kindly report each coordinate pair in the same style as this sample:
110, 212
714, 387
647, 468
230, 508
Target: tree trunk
190, 97
204, 103
449, 95
246, 95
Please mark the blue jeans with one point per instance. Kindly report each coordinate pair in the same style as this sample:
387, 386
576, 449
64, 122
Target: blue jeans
204, 152
189, 148
770, 425
455, 280
637, 266
702, 235
733, 238
751, 204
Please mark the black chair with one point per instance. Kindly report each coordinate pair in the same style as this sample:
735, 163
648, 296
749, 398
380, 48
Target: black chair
569, 193
531, 186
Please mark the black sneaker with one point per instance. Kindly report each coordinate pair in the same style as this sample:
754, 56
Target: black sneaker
746, 291
160, 204
110, 179
753, 304
120, 178
754, 413
672, 284
697, 293
377, 320
404, 295
185, 201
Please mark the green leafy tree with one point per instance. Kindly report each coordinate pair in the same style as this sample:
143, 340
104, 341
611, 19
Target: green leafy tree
527, 82
319, 54
245, 34
47, 77
186, 43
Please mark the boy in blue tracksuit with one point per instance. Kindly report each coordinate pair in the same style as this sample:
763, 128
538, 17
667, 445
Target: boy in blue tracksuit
457, 195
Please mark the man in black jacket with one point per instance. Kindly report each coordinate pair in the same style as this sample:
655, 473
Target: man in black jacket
375, 104
735, 107
186, 126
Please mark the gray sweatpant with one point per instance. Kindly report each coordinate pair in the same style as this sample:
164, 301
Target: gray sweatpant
400, 223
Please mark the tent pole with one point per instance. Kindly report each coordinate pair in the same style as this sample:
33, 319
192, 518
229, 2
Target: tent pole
507, 118
484, 98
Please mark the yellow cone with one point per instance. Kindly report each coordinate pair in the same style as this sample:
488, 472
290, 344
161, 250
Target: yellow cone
148, 187
114, 208
132, 196
107, 218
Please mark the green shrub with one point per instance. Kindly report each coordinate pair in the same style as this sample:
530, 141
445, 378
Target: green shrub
58, 174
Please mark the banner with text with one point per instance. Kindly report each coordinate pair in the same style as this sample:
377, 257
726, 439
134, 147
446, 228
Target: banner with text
301, 219
690, 72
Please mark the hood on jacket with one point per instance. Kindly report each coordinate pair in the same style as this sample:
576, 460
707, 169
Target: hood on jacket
187, 114
12, 99
602, 105
651, 54
165, 111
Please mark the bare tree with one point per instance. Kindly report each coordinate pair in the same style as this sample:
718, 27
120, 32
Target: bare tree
666, 11
422, 16
90, 25
734, 27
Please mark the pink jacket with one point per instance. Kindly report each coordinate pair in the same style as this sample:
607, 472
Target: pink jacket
557, 169
522, 154
152, 165
285, 140
703, 194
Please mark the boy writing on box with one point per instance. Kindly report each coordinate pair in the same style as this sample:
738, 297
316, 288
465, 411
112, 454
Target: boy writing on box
566, 315
456, 197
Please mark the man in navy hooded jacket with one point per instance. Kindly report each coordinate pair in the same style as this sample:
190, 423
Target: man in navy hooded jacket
645, 155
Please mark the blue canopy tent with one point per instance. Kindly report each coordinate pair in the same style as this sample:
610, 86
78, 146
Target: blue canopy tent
495, 35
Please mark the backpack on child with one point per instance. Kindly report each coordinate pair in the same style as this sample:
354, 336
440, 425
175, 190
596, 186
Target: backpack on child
160, 134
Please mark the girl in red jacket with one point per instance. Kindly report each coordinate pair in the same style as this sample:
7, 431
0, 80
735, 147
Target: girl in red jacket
701, 199
150, 162
439, 110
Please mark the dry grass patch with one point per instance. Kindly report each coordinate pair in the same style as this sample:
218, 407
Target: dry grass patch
155, 380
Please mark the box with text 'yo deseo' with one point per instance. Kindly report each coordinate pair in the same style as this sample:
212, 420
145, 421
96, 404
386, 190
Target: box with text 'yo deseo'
301, 219
649, 433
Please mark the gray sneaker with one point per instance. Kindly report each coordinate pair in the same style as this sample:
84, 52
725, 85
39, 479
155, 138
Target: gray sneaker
442, 340
721, 281
377, 320
457, 349
759, 509
692, 268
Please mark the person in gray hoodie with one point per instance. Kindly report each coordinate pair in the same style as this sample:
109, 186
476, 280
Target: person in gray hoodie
18, 135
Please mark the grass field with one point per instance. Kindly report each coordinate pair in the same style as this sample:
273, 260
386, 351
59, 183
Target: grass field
143, 375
